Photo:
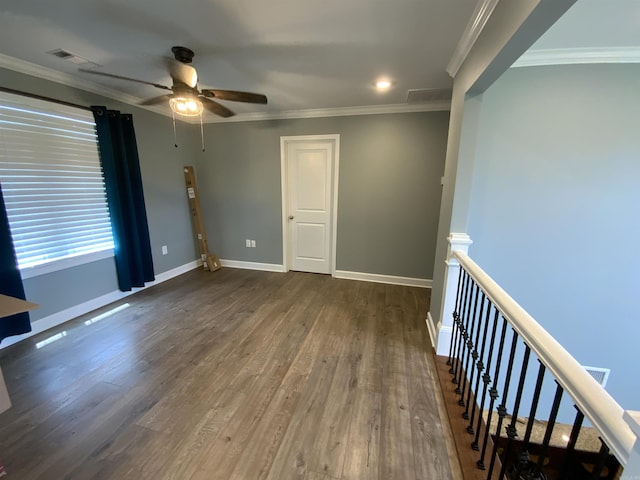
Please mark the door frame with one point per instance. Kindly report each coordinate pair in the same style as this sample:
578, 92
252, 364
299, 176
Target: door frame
284, 142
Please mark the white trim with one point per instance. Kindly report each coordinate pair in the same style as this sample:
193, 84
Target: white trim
632, 417
632, 468
389, 279
265, 267
174, 272
334, 220
592, 400
457, 242
52, 75
433, 333
335, 138
283, 203
476, 24
444, 339
575, 56
436, 106
58, 318
64, 263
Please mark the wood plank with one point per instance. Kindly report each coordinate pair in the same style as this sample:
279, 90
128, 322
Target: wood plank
236, 375
362, 460
333, 430
430, 457
396, 458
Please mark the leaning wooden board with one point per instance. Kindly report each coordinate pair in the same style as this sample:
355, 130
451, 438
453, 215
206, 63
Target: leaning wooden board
209, 261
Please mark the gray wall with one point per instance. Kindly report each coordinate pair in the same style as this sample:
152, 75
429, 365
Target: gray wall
389, 189
388, 198
555, 207
164, 190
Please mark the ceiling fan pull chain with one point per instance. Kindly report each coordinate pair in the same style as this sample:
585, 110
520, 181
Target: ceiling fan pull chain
175, 136
201, 131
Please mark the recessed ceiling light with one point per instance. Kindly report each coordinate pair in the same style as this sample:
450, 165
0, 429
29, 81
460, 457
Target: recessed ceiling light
383, 84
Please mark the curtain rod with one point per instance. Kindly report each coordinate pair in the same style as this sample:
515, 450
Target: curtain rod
41, 97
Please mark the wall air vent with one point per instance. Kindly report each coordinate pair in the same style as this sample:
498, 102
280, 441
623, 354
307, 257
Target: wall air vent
600, 374
427, 95
65, 55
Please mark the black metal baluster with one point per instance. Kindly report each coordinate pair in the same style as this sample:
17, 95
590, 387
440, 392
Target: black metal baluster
550, 425
456, 316
571, 446
502, 408
524, 464
474, 356
512, 432
466, 355
602, 458
480, 368
463, 317
465, 335
486, 379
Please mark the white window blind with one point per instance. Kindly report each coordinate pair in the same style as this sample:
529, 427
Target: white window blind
52, 182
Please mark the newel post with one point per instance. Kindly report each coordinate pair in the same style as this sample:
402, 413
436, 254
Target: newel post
457, 242
632, 468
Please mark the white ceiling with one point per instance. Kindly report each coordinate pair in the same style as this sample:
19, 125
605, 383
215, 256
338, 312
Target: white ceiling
301, 54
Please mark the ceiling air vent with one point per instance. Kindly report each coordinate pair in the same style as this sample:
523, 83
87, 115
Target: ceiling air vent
60, 53
428, 95
600, 374
65, 55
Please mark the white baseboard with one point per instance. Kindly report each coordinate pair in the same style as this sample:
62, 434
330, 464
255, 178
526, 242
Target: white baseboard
390, 279
433, 334
58, 318
265, 267
444, 339
174, 272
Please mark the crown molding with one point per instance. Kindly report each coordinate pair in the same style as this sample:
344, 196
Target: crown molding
46, 73
575, 56
28, 68
443, 105
476, 24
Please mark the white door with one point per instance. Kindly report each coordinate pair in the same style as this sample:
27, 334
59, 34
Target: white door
308, 182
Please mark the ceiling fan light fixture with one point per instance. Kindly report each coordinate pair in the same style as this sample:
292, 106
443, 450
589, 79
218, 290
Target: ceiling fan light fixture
187, 105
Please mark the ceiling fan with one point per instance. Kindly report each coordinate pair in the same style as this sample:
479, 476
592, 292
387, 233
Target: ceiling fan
185, 97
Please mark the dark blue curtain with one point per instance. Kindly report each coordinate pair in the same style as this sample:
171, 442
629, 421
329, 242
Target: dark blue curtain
10, 279
121, 166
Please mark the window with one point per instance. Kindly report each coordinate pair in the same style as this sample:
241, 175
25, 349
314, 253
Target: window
52, 184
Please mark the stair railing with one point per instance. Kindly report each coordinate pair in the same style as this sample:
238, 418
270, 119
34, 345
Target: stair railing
494, 344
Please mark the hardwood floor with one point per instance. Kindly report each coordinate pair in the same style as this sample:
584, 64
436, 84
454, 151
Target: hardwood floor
232, 375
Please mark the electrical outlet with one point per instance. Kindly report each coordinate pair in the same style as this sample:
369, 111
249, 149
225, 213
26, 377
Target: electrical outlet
164, 250
253, 244
247, 243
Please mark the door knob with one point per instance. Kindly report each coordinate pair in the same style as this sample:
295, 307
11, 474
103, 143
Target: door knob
290, 217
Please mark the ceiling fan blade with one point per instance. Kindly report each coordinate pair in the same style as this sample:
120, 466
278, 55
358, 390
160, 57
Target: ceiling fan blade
120, 77
215, 107
182, 72
235, 96
155, 100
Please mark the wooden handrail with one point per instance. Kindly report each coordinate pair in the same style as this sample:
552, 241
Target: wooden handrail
596, 404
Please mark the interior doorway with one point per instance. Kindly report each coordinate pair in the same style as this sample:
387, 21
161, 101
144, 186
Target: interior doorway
309, 173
